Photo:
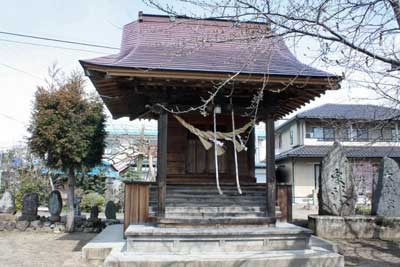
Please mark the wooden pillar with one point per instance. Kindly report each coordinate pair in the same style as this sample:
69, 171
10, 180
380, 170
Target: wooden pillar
162, 162
270, 162
251, 153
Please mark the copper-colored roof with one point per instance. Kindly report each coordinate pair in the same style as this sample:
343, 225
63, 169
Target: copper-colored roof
182, 44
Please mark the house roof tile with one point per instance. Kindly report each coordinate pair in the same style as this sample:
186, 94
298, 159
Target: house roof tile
351, 151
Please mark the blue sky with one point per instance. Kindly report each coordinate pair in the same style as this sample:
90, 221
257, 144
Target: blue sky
92, 21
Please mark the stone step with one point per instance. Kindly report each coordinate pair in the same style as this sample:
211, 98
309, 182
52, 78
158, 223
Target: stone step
213, 222
216, 196
213, 202
205, 204
212, 190
285, 258
255, 238
241, 209
214, 215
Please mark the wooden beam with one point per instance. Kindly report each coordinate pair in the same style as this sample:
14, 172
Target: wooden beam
189, 75
270, 168
162, 162
251, 153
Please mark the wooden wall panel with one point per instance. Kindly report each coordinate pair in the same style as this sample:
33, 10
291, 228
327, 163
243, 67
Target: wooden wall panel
136, 204
187, 156
284, 200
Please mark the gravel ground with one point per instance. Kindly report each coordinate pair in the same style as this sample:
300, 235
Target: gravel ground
370, 253
30, 249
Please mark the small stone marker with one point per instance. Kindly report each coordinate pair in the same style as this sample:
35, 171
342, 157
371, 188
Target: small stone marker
386, 196
337, 194
30, 204
77, 206
7, 203
94, 213
55, 206
111, 210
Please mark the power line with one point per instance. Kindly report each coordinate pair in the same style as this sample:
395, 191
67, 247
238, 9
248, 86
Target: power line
57, 40
52, 46
19, 70
13, 119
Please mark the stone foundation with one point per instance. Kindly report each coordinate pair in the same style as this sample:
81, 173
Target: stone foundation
355, 227
219, 246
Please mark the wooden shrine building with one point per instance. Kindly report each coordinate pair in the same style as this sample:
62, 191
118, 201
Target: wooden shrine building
167, 69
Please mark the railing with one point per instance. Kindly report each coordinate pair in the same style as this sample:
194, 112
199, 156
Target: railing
356, 140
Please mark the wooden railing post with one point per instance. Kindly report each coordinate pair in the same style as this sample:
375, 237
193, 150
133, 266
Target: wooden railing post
270, 162
162, 162
284, 200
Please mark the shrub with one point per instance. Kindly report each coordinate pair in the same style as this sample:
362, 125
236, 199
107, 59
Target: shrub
363, 210
32, 185
92, 199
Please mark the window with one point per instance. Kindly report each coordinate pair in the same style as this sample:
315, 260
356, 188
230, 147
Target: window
280, 141
317, 132
394, 135
329, 134
345, 134
291, 137
322, 133
361, 134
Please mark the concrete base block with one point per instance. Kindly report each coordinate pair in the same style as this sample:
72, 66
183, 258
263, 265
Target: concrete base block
110, 247
355, 227
301, 258
144, 238
101, 245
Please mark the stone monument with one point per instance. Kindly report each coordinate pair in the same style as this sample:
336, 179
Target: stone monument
55, 206
111, 210
386, 194
337, 190
30, 204
94, 213
77, 206
7, 203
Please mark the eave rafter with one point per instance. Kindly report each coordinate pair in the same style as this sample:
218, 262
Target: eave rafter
282, 95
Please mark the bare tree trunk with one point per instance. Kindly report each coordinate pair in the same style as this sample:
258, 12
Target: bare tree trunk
51, 183
71, 200
396, 9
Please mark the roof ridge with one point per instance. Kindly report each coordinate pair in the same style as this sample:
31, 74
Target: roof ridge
166, 16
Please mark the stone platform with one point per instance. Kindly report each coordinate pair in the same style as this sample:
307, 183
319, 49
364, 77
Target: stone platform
297, 258
100, 247
144, 238
282, 246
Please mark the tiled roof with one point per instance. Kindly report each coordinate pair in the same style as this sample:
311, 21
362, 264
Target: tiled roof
346, 112
350, 111
221, 46
351, 151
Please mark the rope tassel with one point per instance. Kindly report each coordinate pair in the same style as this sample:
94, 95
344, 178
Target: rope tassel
216, 155
235, 152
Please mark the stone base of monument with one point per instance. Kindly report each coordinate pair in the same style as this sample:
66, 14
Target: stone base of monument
55, 218
352, 227
283, 245
28, 217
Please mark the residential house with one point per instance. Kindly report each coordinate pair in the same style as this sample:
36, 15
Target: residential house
367, 132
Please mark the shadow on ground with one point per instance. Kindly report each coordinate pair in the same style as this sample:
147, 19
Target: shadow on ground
82, 238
